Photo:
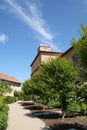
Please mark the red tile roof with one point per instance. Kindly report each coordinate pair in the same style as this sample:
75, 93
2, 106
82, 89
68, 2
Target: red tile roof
8, 78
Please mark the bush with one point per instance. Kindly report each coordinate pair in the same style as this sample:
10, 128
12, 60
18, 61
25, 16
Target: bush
53, 103
3, 116
39, 100
3, 120
84, 108
2, 99
19, 95
73, 108
27, 97
10, 99
4, 108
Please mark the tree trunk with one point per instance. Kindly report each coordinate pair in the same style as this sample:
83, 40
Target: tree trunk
63, 115
63, 104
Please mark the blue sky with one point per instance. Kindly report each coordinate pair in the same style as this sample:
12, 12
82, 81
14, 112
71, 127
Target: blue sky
25, 24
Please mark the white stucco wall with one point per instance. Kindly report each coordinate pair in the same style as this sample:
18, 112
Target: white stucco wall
17, 88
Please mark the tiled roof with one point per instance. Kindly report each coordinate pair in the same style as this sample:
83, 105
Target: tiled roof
8, 78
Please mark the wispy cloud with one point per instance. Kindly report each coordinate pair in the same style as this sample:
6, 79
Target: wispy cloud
3, 38
34, 20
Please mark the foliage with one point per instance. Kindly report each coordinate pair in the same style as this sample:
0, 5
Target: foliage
3, 121
4, 88
83, 109
76, 107
3, 116
18, 95
4, 108
62, 74
54, 80
43, 84
82, 97
10, 99
54, 103
80, 46
73, 107
2, 99
28, 90
82, 93
27, 97
27, 87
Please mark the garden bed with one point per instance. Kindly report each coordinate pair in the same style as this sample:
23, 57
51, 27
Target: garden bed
54, 119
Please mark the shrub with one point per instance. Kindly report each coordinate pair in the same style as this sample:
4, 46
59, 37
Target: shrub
73, 108
3, 116
84, 108
19, 95
4, 108
53, 103
2, 99
27, 97
10, 99
3, 120
39, 100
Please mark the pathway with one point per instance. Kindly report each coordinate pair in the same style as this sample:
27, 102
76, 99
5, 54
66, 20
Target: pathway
19, 119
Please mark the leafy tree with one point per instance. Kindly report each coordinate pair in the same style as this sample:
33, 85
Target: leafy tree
42, 85
28, 89
63, 74
80, 46
54, 81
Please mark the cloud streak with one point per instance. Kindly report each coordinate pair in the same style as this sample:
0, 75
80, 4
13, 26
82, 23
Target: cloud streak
3, 38
34, 20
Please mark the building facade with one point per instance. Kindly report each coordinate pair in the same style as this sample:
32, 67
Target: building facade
12, 82
70, 55
44, 54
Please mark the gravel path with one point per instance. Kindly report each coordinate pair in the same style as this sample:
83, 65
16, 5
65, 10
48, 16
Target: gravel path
20, 119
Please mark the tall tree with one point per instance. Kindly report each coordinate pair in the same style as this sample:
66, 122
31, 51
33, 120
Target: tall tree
62, 74
58, 78
80, 46
55, 80
42, 85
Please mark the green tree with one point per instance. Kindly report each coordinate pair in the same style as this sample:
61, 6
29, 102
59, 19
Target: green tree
54, 80
62, 74
28, 90
42, 84
80, 46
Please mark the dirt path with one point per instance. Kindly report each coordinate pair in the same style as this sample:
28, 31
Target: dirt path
20, 119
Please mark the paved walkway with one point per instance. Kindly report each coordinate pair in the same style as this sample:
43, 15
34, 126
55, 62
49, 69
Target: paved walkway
19, 119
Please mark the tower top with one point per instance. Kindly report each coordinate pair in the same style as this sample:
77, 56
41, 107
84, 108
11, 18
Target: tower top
44, 47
